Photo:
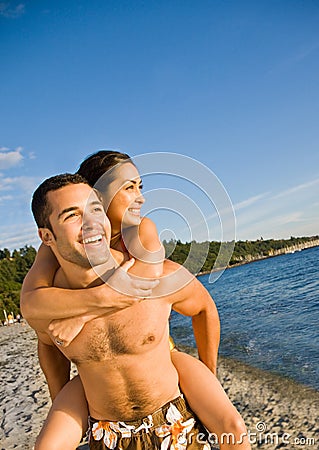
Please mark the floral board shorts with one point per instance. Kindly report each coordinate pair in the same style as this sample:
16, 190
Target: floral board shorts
172, 427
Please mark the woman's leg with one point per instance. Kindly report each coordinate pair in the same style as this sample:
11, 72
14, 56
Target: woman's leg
210, 403
67, 420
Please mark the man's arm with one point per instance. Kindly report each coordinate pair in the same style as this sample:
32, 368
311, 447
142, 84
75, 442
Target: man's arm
197, 303
55, 366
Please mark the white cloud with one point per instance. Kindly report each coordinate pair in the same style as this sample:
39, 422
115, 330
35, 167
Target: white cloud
19, 235
286, 219
22, 239
22, 185
297, 188
250, 201
4, 198
289, 212
32, 155
11, 11
15, 196
296, 58
10, 158
293, 211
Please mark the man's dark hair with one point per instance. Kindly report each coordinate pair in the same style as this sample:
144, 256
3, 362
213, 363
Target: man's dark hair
40, 206
97, 164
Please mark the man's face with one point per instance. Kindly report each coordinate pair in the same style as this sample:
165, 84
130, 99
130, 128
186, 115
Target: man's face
81, 228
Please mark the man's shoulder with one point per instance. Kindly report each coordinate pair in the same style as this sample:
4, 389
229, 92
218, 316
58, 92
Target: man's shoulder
60, 280
118, 256
176, 283
177, 271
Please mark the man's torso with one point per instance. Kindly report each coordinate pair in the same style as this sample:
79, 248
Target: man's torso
124, 361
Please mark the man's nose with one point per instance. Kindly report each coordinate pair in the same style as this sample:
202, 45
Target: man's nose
89, 222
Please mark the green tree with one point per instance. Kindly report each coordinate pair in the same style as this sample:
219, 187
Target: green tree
13, 269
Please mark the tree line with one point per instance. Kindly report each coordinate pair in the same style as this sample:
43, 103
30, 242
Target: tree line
196, 257
13, 268
206, 256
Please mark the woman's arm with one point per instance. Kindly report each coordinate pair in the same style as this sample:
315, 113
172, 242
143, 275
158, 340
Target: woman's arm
39, 300
43, 270
144, 245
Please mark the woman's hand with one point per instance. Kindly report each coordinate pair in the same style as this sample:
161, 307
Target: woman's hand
63, 331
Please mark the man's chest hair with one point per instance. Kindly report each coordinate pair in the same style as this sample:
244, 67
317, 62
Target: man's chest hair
130, 331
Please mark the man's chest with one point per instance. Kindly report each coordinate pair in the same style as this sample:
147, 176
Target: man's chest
131, 331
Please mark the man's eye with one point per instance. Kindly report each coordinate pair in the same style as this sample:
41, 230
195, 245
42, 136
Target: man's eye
130, 187
141, 186
70, 216
98, 209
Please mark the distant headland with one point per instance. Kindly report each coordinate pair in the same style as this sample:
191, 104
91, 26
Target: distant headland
242, 252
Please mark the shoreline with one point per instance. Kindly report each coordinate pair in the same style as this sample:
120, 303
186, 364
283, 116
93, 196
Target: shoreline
243, 263
276, 409
281, 405
231, 364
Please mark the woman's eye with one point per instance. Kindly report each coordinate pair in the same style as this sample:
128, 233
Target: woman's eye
134, 186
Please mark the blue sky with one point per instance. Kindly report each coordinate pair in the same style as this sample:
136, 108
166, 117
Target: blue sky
232, 84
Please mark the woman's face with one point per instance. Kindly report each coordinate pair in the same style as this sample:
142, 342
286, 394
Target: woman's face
123, 198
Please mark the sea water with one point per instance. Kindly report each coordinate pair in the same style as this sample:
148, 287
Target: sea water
269, 313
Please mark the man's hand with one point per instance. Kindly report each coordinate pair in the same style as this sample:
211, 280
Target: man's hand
124, 283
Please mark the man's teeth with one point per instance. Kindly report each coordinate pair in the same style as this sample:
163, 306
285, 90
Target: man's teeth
134, 211
96, 238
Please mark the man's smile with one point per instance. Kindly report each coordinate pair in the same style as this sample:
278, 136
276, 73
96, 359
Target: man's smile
92, 239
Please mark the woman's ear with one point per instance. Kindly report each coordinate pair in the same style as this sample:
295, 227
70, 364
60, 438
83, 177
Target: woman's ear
46, 236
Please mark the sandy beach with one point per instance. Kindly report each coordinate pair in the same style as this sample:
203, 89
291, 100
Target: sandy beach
278, 412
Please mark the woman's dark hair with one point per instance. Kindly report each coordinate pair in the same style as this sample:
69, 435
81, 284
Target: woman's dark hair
96, 165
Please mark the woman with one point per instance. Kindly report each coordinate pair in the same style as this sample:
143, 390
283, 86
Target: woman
116, 177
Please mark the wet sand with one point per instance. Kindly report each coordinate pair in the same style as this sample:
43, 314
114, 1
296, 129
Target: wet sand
278, 412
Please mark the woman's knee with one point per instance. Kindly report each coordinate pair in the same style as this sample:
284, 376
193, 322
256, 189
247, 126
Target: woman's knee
235, 424
42, 444
52, 444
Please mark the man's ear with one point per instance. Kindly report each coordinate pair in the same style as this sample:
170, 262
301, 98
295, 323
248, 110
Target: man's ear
46, 236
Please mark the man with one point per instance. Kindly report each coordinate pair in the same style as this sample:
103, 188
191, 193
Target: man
123, 358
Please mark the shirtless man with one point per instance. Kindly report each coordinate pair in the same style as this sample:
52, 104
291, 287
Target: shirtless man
123, 359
